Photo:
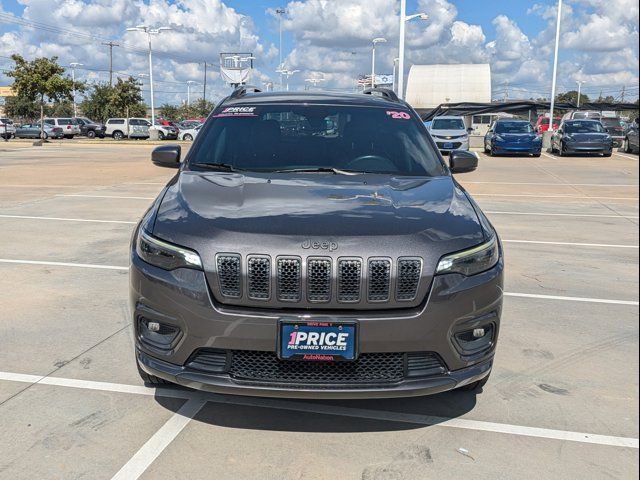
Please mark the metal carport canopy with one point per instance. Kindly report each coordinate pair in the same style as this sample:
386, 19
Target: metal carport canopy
516, 108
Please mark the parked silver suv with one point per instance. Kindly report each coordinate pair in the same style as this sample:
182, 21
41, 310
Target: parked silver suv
450, 133
69, 126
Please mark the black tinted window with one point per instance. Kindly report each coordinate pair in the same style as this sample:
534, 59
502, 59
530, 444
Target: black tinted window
611, 122
447, 124
583, 127
281, 137
117, 121
514, 127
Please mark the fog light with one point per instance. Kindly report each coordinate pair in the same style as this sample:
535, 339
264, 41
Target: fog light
478, 332
155, 327
475, 340
157, 335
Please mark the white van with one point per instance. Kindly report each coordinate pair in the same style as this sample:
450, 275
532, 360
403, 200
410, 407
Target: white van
69, 126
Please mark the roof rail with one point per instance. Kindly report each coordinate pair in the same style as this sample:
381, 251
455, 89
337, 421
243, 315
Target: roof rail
242, 90
382, 92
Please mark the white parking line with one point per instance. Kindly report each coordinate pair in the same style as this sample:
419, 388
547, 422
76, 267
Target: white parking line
310, 407
104, 196
571, 244
572, 299
543, 214
28, 217
534, 195
62, 264
625, 156
553, 184
144, 457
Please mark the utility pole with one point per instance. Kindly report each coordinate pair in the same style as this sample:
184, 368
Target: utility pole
506, 90
111, 45
204, 80
622, 94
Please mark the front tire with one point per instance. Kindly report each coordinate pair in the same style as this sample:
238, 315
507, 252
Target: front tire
188, 138
118, 135
91, 134
626, 146
561, 150
160, 136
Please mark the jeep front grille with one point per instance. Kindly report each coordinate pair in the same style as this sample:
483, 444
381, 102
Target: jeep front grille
319, 279
258, 280
289, 279
349, 277
409, 271
229, 275
379, 280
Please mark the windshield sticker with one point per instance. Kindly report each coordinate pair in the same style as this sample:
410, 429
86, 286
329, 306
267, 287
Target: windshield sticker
237, 112
398, 115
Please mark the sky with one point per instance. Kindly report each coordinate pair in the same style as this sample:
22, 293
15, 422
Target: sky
331, 40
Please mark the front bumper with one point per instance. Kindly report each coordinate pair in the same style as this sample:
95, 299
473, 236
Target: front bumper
456, 144
527, 148
585, 147
181, 298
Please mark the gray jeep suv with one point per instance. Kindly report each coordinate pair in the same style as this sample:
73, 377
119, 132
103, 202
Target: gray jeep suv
315, 245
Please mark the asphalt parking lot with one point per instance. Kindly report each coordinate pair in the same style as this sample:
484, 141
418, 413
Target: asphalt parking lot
562, 401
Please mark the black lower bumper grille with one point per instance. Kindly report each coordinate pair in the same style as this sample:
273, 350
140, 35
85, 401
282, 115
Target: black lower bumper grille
368, 368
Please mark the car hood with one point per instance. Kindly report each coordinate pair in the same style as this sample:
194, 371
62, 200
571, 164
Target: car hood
364, 214
589, 137
448, 133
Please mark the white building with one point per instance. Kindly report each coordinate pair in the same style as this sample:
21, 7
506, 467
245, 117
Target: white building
431, 85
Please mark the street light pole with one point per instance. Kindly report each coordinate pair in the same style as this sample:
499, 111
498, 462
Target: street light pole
150, 31
555, 66
373, 59
403, 21
280, 12
579, 82
189, 83
73, 66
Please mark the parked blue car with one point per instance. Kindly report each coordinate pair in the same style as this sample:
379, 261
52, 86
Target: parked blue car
509, 136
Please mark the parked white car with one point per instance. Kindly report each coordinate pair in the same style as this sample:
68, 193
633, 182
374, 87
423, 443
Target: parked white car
120, 128
189, 134
7, 128
450, 133
69, 126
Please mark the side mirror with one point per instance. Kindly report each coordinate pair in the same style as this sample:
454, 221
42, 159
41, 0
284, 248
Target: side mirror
166, 156
461, 161
469, 130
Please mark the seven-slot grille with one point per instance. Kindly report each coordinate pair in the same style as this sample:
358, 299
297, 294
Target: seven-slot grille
319, 279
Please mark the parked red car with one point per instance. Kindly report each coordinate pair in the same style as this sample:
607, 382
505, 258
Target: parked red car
542, 125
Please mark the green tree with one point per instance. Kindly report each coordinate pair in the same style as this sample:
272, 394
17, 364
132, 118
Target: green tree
572, 97
97, 103
41, 79
607, 99
126, 99
170, 112
200, 108
60, 109
21, 108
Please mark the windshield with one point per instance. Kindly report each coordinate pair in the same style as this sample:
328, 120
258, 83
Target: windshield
586, 115
583, 127
611, 122
514, 127
447, 124
277, 137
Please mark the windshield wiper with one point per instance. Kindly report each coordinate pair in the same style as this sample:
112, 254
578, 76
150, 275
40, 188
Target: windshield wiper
335, 171
223, 167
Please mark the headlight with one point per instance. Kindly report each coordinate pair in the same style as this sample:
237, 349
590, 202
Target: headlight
536, 139
472, 261
568, 138
498, 138
165, 255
